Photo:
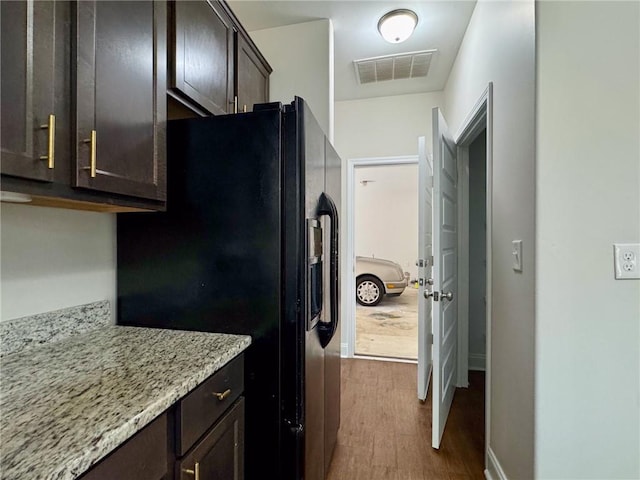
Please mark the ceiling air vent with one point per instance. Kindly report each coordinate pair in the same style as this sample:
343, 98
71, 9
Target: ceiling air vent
393, 67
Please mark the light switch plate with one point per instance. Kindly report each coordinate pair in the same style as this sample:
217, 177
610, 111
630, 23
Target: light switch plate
626, 259
516, 251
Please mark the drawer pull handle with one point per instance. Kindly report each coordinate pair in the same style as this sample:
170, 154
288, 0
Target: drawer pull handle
92, 146
51, 146
195, 472
223, 395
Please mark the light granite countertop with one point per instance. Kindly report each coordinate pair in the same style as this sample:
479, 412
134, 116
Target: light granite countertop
66, 405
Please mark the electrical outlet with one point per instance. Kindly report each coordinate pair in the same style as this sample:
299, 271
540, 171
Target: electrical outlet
626, 260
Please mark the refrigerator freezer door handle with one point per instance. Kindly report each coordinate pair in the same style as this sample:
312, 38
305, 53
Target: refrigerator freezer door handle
327, 207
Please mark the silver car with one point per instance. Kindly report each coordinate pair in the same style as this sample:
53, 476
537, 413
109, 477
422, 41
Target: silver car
376, 277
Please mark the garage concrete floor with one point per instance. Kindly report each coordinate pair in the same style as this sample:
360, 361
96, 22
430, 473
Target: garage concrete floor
389, 329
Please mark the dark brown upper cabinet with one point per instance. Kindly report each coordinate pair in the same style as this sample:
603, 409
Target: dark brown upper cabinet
202, 55
29, 73
252, 74
120, 97
214, 67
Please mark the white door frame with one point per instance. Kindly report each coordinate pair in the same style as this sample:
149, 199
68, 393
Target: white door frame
349, 343
480, 117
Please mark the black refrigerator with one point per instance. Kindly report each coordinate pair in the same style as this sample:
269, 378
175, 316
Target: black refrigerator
249, 245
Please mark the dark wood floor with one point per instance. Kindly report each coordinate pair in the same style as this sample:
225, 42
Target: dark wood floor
385, 431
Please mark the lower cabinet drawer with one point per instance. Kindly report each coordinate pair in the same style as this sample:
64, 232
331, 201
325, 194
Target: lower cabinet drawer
142, 457
220, 453
203, 406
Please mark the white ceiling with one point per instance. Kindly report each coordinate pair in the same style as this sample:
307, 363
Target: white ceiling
441, 26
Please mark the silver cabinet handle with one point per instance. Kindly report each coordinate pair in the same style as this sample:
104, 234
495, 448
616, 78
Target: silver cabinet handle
446, 296
428, 294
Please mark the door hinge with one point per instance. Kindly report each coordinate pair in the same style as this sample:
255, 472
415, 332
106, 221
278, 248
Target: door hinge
430, 339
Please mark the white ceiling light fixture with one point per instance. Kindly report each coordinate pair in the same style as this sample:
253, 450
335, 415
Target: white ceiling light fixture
397, 25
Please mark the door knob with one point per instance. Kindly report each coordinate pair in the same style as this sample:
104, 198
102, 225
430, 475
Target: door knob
428, 294
446, 296
429, 281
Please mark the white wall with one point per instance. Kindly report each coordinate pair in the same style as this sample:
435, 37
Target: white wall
384, 126
588, 197
378, 127
498, 47
53, 258
301, 56
386, 214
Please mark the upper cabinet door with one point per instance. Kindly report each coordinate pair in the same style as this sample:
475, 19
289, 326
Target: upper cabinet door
120, 55
202, 57
252, 72
28, 47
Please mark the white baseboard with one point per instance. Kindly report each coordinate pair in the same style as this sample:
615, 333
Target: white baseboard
477, 361
494, 469
344, 350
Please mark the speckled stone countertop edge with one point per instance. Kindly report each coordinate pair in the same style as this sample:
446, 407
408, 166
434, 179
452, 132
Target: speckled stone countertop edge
117, 437
78, 436
33, 331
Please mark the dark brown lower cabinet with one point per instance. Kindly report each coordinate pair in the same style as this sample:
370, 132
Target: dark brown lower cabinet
220, 453
143, 457
201, 437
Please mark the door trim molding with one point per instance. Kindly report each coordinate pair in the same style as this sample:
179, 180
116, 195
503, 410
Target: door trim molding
494, 470
480, 117
348, 277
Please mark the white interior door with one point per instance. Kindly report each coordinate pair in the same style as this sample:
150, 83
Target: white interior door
425, 246
445, 282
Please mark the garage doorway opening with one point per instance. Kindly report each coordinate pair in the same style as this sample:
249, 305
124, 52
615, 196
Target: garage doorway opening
384, 251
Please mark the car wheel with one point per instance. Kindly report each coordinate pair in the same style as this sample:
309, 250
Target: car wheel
369, 291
